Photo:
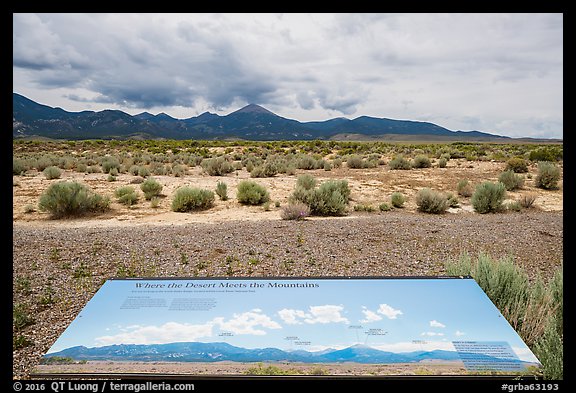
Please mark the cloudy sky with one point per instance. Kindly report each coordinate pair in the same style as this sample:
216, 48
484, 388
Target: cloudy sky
498, 73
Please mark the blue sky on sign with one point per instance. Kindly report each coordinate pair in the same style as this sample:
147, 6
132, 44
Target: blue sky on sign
493, 72
400, 315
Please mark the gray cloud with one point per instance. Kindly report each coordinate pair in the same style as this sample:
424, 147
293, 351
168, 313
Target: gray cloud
307, 66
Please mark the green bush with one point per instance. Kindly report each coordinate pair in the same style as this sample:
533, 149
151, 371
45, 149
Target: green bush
421, 161
109, 163
384, 207
355, 162
517, 165
295, 211
126, 195
306, 181
222, 190
217, 166
548, 176
151, 188
546, 154
329, 199
429, 201
251, 193
397, 199
399, 162
511, 180
71, 199
534, 310
464, 188
488, 197
442, 163
268, 169
192, 198
19, 166
52, 172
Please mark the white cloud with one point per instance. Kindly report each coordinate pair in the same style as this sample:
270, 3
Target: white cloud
388, 311
459, 333
316, 314
371, 316
410, 346
431, 334
302, 66
166, 333
247, 323
435, 323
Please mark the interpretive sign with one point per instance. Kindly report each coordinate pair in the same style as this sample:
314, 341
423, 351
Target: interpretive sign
304, 326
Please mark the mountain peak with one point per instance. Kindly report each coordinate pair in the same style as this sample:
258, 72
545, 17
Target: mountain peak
253, 108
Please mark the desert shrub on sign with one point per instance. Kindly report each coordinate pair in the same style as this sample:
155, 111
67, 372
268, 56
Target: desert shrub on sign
71, 199
533, 309
192, 198
151, 188
488, 197
251, 193
548, 175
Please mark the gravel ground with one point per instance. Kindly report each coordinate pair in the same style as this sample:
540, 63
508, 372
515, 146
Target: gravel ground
57, 270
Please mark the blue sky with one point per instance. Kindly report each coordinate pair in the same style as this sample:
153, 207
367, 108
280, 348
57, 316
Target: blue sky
397, 315
500, 73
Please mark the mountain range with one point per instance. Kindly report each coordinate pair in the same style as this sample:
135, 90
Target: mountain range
252, 122
220, 351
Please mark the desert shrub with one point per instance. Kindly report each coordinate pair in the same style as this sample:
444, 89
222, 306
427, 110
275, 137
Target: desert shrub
43, 163
514, 206
191, 198
126, 195
19, 166
21, 316
355, 162
70, 199
464, 188
143, 171
217, 166
134, 170
306, 181
327, 166
533, 309
384, 207
295, 211
52, 172
517, 165
222, 190
397, 199
151, 188
548, 176
545, 154
109, 163
488, 197
399, 162
430, 201
442, 163
421, 161
527, 200
329, 199
337, 162
362, 207
452, 200
511, 180
268, 169
251, 193
178, 170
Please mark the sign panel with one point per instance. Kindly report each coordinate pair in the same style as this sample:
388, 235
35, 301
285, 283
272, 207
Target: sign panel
343, 326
